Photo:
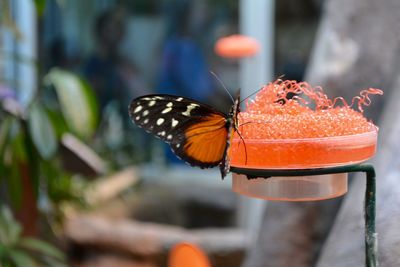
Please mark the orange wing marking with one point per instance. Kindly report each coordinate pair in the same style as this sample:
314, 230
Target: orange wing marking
206, 140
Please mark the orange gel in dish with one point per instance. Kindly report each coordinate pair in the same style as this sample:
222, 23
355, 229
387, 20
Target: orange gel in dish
291, 125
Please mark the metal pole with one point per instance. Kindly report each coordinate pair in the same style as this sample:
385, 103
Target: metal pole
371, 244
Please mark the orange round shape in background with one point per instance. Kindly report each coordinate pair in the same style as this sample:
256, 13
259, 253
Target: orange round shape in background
187, 255
236, 46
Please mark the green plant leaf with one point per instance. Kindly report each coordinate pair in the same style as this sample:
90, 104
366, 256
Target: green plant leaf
17, 142
10, 229
40, 6
41, 247
58, 122
41, 131
4, 133
32, 164
77, 100
5, 128
14, 180
21, 259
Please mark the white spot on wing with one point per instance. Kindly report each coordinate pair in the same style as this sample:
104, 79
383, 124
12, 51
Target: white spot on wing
137, 118
179, 99
161, 133
145, 113
169, 137
152, 103
177, 145
145, 121
137, 109
170, 104
189, 109
160, 121
166, 110
174, 122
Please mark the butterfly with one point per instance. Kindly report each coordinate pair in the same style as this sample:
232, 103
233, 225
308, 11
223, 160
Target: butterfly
197, 133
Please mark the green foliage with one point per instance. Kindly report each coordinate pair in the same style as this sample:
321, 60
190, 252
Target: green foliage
13, 153
61, 187
41, 131
40, 6
30, 136
30, 139
18, 251
77, 101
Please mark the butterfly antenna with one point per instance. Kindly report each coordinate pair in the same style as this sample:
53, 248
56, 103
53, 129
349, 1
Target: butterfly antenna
280, 77
223, 85
251, 95
245, 148
242, 139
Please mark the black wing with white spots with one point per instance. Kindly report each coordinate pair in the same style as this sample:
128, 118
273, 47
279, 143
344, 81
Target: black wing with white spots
167, 116
197, 133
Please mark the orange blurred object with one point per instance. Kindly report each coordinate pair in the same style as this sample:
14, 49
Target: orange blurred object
237, 46
187, 255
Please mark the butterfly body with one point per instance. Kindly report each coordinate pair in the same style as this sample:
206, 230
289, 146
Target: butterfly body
197, 133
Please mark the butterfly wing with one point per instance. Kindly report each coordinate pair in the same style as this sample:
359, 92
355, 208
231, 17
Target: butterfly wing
197, 133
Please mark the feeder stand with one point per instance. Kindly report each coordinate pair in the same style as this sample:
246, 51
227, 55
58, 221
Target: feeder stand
371, 245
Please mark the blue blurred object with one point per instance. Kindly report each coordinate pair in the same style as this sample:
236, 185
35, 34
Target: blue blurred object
184, 70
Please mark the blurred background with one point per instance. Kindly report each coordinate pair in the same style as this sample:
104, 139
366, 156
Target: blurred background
80, 185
